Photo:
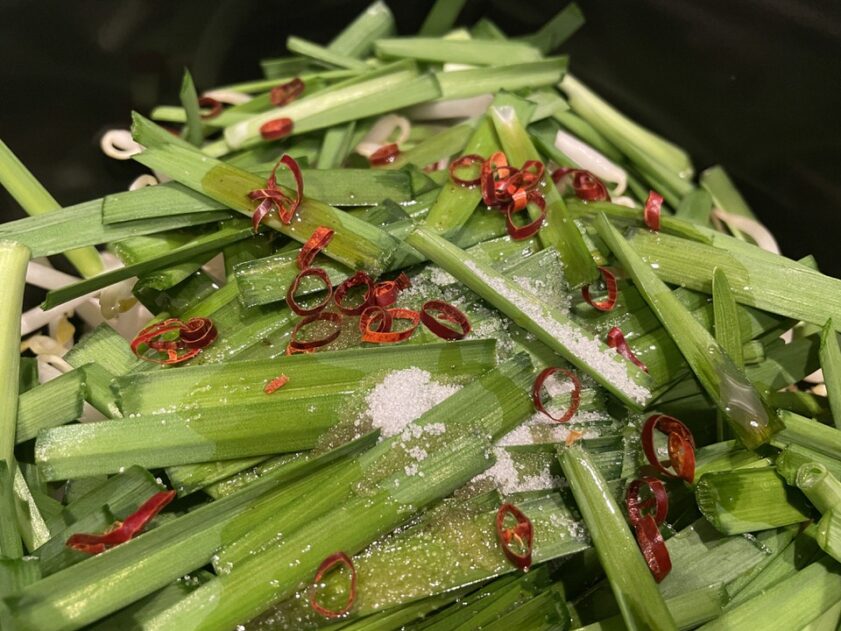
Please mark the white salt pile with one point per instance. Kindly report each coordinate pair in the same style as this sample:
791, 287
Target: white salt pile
403, 396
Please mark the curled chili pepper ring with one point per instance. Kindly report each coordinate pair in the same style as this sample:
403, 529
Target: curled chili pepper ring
652, 210
359, 279
334, 560
681, 447
659, 500
521, 533
653, 547
214, 105
435, 310
387, 336
272, 198
319, 240
386, 292
198, 332
285, 93
585, 185
304, 346
609, 278
293, 288
574, 397
174, 339
616, 339
466, 162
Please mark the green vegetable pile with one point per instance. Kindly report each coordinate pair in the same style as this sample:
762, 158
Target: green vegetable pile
526, 372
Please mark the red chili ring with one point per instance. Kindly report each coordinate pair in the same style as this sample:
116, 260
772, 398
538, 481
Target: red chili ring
612, 291
214, 105
490, 168
447, 313
359, 278
375, 315
616, 339
653, 547
681, 447
575, 395
659, 500
386, 292
147, 340
276, 129
198, 332
285, 93
384, 155
315, 244
276, 384
462, 163
585, 185
651, 213
392, 337
290, 293
272, 198
523, 531
532, 228
304, 346
337, 558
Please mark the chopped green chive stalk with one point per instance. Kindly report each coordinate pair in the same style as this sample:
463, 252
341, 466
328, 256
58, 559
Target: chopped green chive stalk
737, 399
459, 51
830, 355
724, 193
463, 84
323, 55
727, 330
746, 500
790, 459
790, 604
441, 17
50, 404
805, 432
36, 200
190, 103
550, 326
358, 37
557, 30
10, 542
821, 487
630, 579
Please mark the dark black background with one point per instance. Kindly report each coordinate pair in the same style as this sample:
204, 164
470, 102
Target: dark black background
751, 84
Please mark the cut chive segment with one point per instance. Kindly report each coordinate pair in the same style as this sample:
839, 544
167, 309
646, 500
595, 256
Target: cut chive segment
740, 403
549, 325
630, 579
36, 200
746, 500
830, 355
475, 52
50, 404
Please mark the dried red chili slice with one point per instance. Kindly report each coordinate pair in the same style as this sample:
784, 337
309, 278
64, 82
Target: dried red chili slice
389, 336
574, 398
375, 318
305, 346
198, 332
386, 292
286, 92
651, 213
122, 531
616, 339
465, 162
447, 313
530, 229
384, 155
585, 185
272, 198
214, 105
358, 279
659, 500
496, 166
335, 559
154, 338
681, 446
653, 547
315, 244
608, 303
522, 533
290, 293
276, 384
276, 129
